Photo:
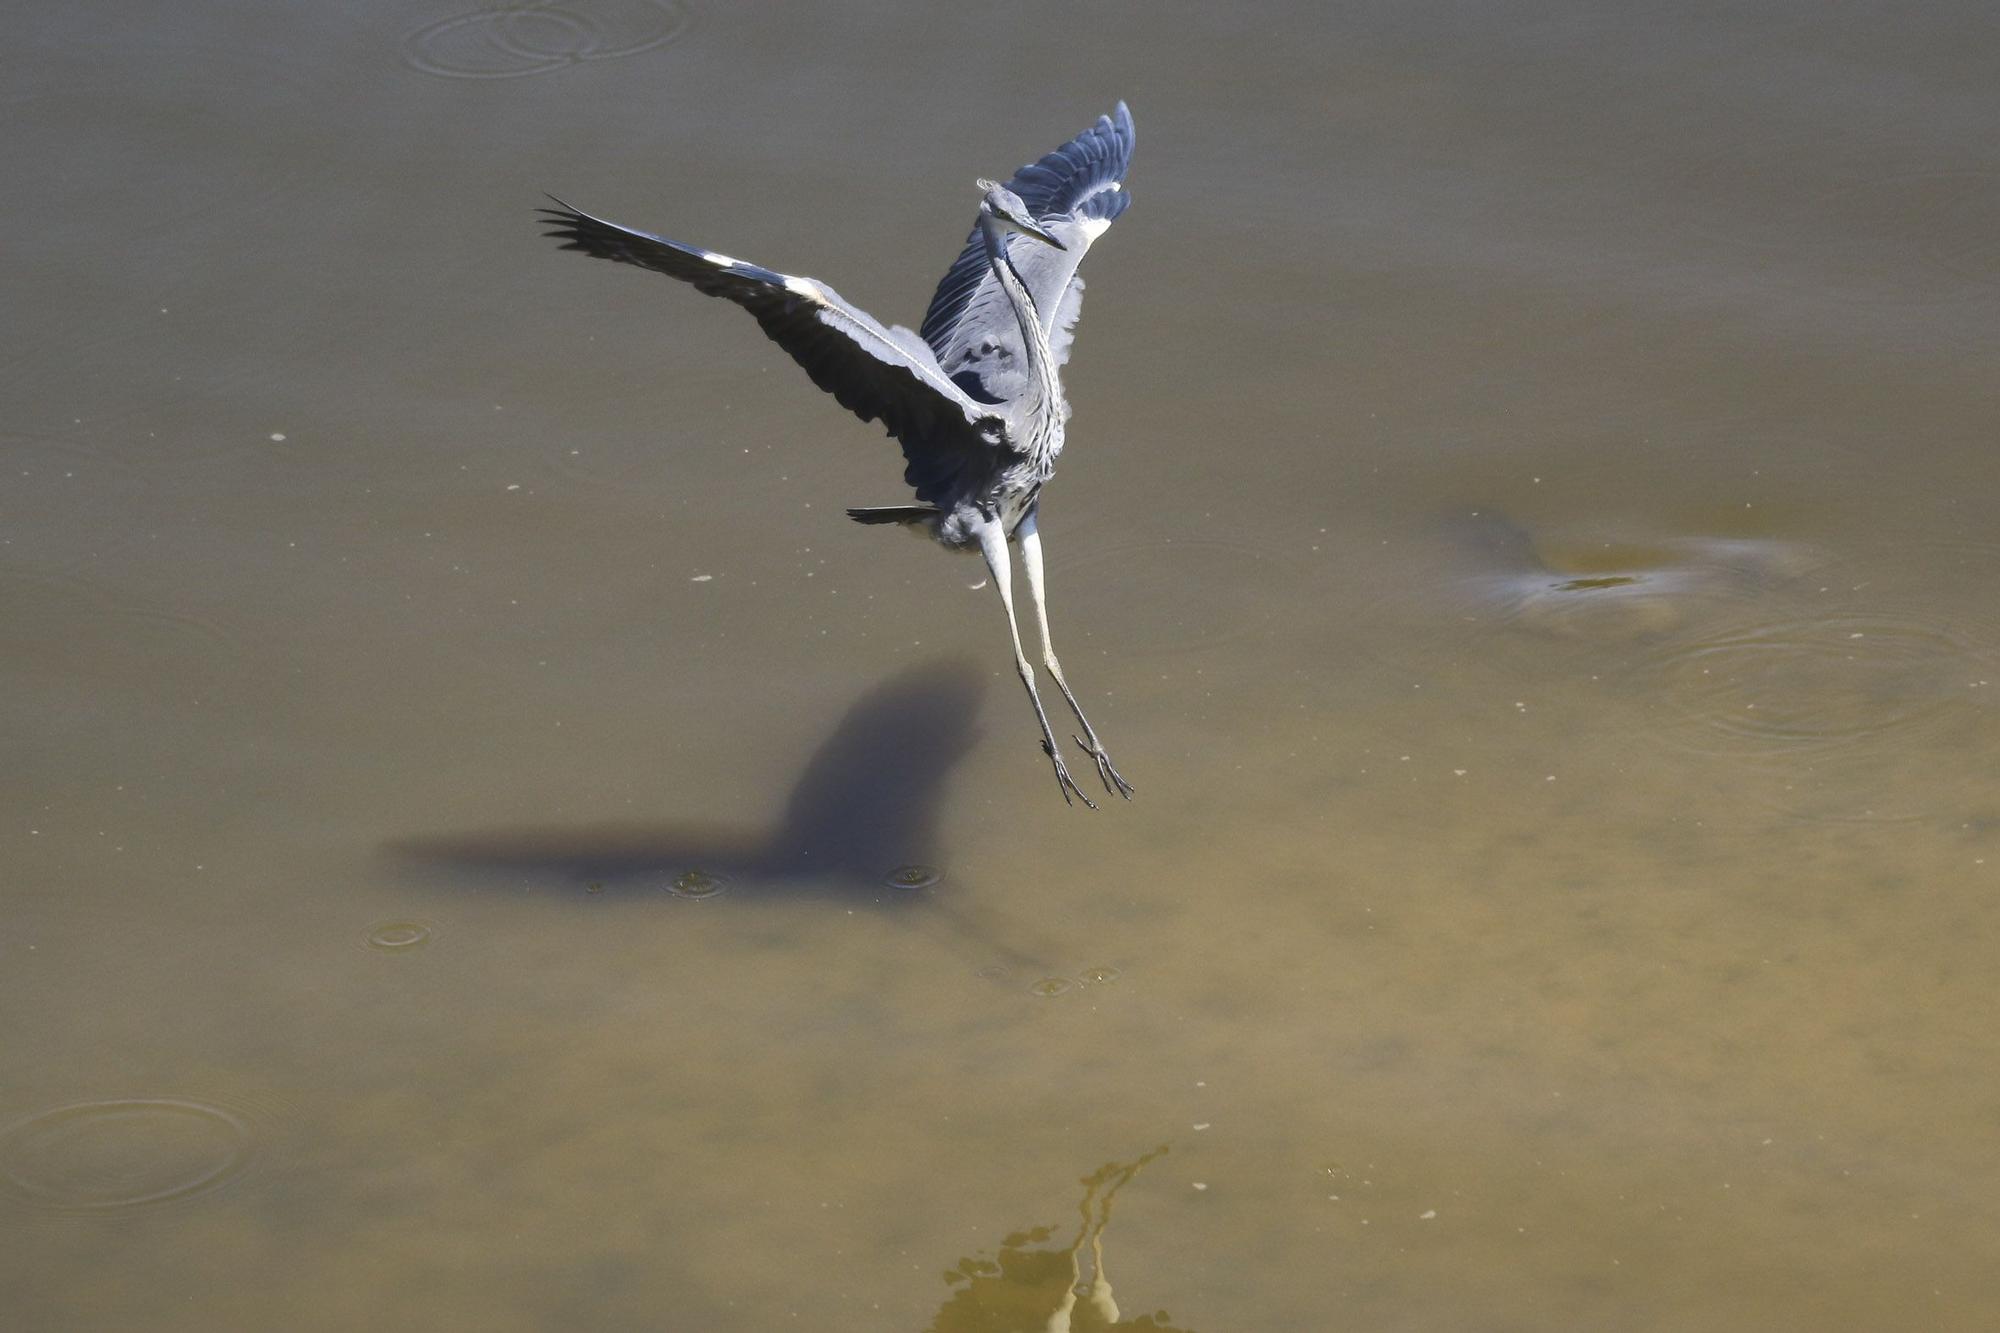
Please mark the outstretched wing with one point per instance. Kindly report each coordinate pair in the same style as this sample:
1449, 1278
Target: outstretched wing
1077, 191
877, 373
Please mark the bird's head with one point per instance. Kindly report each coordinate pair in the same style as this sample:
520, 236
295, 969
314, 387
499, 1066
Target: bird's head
1007, 211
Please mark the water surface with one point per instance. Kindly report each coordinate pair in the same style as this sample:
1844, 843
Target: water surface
492, 847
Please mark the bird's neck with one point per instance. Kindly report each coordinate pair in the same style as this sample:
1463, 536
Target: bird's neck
1040, 411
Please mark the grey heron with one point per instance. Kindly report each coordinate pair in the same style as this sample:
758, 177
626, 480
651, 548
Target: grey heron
975, 398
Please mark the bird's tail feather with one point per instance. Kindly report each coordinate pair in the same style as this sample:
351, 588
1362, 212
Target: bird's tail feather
894, 514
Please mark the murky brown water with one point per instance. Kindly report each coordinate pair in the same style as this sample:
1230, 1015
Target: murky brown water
491, 846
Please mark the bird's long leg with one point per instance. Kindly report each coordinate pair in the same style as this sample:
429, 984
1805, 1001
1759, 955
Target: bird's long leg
993, 545
1030, 538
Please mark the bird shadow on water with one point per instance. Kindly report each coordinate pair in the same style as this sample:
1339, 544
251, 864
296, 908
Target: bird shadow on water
860, 828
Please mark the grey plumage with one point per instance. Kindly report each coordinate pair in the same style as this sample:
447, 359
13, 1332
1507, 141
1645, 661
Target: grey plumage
1076, 191
975, 399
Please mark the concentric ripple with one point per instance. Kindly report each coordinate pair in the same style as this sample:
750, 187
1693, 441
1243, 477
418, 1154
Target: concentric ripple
539, 38
130, 1153
398, 936
117, 627
1818, 685
696, 884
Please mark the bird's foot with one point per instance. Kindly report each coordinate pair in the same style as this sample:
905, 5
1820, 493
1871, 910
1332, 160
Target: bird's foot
1063, 779
1112, 780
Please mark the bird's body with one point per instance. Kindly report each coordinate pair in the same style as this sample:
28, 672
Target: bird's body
976, 398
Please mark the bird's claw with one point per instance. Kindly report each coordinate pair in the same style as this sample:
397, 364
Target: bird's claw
1063, 779
1113, 781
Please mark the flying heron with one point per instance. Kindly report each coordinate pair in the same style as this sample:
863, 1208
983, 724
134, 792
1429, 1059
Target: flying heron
975, 398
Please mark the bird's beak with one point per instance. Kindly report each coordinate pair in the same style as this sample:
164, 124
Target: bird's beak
1041, 235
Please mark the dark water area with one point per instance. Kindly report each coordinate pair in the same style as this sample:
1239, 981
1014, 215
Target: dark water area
491, 846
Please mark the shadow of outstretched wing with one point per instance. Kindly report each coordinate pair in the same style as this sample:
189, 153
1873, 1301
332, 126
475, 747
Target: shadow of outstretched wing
866, 804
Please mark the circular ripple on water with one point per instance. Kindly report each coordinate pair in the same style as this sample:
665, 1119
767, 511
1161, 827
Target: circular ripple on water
398, 936
1814, 686
696, 884
130, 1153
105, 626
518, 40
914, 877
